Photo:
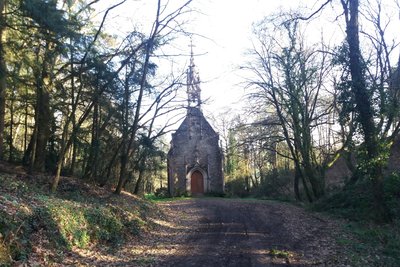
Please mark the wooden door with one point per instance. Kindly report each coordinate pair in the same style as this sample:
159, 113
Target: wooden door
197, 183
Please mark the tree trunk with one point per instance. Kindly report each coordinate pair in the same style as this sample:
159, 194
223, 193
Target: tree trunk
26, 105
139, 187
74, 143
32, 146
122, 173
73, 158
365, 110
11, 137
109, 166
43, 127
3, 78
42, 112
91, 167
64, 147
296, 185
125, 133
134, 128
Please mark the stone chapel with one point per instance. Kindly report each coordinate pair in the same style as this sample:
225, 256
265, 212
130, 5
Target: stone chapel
195, 158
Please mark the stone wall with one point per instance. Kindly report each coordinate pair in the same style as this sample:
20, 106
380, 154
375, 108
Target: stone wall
339, 173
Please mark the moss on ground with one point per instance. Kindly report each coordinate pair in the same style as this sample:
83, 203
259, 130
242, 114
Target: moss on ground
78, 216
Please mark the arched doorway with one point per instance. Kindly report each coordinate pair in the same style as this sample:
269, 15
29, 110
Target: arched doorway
197, 183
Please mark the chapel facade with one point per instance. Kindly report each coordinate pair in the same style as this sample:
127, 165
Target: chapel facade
195, 159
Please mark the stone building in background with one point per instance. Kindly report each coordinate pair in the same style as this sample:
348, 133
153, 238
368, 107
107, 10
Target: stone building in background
195, 158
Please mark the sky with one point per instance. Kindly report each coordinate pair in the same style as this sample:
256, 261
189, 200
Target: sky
222, 33
226, 27
221, 36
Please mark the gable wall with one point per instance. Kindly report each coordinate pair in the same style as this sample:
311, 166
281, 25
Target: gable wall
195, 142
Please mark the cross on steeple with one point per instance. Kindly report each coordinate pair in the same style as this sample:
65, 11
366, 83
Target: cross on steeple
193, 81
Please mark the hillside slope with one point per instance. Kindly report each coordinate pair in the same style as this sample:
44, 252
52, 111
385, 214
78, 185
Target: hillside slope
69, 227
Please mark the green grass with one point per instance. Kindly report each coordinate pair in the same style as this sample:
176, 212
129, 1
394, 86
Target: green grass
279, 253
155, 198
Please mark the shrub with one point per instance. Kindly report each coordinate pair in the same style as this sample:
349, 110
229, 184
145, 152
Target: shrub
71, 223
352, 202
275, 184
215, 194
81, 225
356, 202
181, 193
162, 192
104, 224
392, 194
237, 188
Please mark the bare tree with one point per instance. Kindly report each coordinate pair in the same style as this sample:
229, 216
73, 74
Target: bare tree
161, 24
290, 78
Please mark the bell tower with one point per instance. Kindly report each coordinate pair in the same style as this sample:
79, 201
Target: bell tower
193, 82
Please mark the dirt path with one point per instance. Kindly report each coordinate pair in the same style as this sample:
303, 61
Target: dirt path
225, 232
208, 232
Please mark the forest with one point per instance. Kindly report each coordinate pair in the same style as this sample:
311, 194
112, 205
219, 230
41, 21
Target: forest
76, 103
320, 123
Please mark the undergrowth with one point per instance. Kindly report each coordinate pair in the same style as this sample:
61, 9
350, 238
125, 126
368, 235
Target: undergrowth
29, 215
369, 243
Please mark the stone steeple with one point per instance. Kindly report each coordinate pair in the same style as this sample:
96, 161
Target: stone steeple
195, 159
193, 82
